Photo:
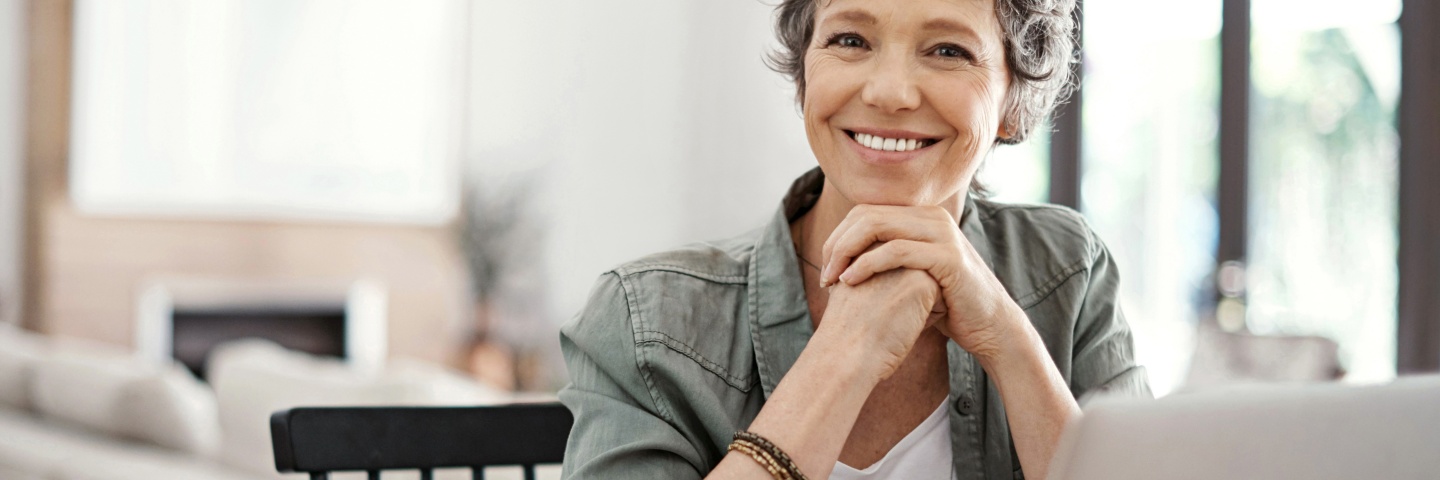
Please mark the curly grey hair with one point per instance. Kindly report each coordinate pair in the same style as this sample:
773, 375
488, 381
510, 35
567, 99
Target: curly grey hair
1039, 51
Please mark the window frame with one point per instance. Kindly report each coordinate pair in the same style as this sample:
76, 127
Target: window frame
1418, 259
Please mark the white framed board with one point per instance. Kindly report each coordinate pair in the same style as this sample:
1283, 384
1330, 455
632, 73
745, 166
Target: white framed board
268, 109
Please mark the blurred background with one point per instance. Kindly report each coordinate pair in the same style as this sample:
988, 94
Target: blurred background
291, 202
441, 181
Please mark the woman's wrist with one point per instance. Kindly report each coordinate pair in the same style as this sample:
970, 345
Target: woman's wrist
850, 354
1015, 344
812, 410
1037, 399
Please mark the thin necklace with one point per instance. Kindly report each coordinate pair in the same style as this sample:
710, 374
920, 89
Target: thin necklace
802, 258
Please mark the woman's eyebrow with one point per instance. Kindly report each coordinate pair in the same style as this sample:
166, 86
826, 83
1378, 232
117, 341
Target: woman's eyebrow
853, 16
946, 25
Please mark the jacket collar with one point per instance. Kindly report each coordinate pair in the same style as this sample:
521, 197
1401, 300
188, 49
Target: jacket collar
780, 323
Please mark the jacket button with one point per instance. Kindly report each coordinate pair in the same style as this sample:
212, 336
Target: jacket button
965, 404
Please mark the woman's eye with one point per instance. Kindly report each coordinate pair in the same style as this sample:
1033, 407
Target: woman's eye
952, 51
847, 40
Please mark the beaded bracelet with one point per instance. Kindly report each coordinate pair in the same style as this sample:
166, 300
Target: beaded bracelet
773, 452
777, 472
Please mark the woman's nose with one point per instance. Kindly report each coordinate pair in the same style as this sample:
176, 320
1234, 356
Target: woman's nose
891, 86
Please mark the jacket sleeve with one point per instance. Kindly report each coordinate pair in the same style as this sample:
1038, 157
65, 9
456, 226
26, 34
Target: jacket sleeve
618, 432
1104, 354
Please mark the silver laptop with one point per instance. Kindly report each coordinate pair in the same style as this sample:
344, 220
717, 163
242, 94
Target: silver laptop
1311, 432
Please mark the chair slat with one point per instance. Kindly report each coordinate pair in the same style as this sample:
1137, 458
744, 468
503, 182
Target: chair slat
323, 439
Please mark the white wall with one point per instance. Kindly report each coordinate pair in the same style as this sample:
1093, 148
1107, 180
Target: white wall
654, 122
12, 58
747, 142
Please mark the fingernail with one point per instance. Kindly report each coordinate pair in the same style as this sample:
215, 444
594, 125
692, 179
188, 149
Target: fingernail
846, 276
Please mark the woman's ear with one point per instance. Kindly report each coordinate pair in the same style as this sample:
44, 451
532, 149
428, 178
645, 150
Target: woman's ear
1003, 132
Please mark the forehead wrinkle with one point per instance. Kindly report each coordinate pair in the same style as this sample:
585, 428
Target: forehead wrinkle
852, 16
858, 15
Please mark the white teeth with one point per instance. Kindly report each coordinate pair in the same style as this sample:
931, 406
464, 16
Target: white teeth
888, 144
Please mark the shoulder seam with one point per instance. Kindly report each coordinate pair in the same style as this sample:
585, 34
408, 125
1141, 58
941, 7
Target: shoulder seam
632, 270
1000, 207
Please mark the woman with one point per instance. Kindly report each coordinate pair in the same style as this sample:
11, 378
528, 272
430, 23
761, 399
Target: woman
885, 324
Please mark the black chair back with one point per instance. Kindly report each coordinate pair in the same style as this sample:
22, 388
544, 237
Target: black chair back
320, 440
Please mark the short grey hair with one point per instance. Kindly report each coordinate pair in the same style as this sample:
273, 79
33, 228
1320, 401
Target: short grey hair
1040, 51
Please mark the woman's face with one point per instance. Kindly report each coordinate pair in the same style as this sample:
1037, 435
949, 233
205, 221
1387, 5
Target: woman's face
903, 97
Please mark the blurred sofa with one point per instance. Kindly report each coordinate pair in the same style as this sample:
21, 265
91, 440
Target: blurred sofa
78, 410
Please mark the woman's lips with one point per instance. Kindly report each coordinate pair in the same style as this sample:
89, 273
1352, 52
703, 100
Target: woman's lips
888, 147
876, 142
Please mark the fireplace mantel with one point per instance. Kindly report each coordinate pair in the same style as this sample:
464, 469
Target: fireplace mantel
362, 301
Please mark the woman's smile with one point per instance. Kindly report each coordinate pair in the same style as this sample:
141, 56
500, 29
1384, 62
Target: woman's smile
886, 147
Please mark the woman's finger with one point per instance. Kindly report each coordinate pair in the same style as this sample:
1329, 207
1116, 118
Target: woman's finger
912, 254
879, 224
862, 235
853, 217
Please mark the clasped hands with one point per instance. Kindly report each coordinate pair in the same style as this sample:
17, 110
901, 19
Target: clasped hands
893, 271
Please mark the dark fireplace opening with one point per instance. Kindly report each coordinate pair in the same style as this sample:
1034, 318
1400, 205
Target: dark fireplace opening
314, 330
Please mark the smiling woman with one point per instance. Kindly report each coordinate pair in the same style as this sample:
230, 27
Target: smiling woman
905, 72
896, 324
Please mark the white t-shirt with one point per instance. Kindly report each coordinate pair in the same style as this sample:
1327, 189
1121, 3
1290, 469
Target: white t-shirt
923, 454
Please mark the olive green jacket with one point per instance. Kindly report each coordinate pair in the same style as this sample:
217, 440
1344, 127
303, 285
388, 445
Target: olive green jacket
676, 351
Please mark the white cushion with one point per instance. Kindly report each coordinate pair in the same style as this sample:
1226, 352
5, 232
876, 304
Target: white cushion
143, 463
170, 409
255, 378
35, 447
80, 383
433, 384
19, 351
32, 446
11, 474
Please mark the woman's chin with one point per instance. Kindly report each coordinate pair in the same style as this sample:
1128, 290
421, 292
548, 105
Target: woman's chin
894, 200
907, 185
898, 195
